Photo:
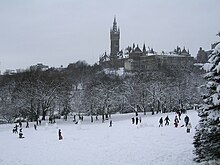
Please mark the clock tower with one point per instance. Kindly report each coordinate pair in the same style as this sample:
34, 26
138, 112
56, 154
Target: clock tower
114, 37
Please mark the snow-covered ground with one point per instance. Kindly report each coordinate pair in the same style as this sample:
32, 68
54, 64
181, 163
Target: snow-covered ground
98, 144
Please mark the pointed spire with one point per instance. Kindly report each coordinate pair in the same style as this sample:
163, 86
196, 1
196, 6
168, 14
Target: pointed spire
114, 24
114, 20
144, 48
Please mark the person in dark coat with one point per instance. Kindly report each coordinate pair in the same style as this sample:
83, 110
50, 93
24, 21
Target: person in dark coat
50, 119
27, 125
110, 123
161, 122
103, 118
175, 124
20, 123
106, 116
74, 118
60, 135
179, 114
15, 129
186, 120
152, 110
167, 120
91, 119
176, 121
189, 126
35, 127
137, 120
20, 135
132, 120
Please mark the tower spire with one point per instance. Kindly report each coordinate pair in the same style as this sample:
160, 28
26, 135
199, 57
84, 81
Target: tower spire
114, 37
144, 49
114, 24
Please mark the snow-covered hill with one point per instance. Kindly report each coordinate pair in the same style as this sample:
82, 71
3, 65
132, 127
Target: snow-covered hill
98, 144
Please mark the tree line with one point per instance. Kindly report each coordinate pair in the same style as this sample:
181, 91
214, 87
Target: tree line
82, 88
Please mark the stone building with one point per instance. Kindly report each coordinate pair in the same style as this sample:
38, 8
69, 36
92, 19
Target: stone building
135, 59
141, 60
202, 56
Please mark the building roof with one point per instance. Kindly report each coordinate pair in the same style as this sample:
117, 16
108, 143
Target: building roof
137, 50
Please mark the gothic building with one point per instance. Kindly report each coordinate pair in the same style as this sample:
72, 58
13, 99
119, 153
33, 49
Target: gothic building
115, 59
143, 60
136, 59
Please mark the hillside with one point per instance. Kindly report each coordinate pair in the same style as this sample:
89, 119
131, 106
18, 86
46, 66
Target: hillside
97, 143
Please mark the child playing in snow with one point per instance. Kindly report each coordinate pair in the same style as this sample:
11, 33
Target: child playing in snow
176, 121
20, 135
110, 123
161, 122
15, 129
188, 127
60, 135
167, 120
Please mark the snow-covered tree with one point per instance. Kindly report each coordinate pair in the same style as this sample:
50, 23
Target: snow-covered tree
207, 136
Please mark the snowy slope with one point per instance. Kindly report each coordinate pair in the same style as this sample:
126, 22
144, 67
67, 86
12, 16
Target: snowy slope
98, 144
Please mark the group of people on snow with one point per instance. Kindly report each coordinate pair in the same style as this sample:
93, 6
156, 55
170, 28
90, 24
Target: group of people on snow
19, 126
20, 133
15, 129
136, 120
177, 119
166, 121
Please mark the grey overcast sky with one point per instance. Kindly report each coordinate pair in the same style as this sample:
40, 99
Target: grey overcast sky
59, 32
